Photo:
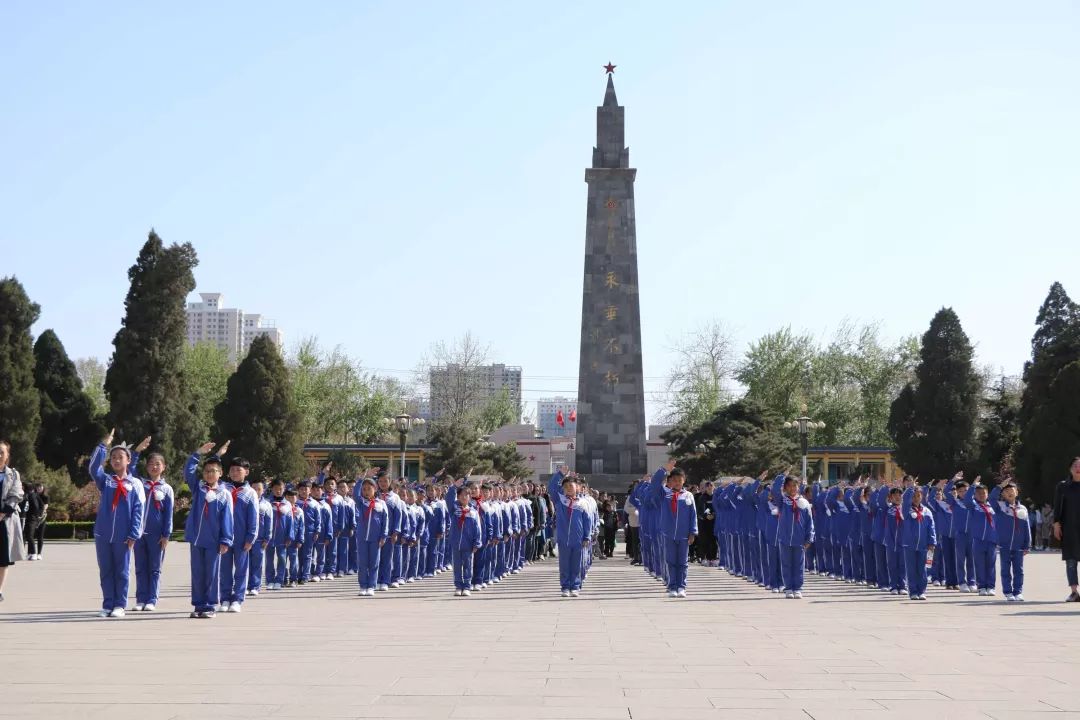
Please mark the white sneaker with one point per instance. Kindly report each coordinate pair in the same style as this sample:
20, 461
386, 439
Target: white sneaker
1009, 598
457, 593
236, 607
776, 590
973, 588
965, 589
565, 593
103, 613
411, 580
395, 584
789, 595
672, 593
575, 593
681, 593
384, 588
138, 607
117, 613
798, 595
465, 593
254, 593
982, 592
991, 592
316, 578
1019, 597
149, 607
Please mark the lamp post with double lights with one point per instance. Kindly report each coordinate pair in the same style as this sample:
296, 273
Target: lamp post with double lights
403, 423
804, 425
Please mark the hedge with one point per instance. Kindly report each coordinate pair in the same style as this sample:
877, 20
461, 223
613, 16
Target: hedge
67, 529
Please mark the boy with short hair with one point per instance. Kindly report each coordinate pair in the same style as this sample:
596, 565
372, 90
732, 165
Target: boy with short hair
390, 557
326, 533
678, 524
1013, 538
347, 527
208, 530
235, 561
795, 533
372, 531
311, 525
571, 531
257, 557
350, 489
296, 539
465, 540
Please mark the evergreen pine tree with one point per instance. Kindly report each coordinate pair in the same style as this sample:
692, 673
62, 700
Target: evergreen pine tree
69, 427
258, 417
999, 428
144, 383
1056, 343
1053, 436
934, 423
19, 403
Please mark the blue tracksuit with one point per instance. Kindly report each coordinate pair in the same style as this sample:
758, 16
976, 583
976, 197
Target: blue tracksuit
879, 504
678, 521
297, 537
235, 561
327, 540
982, 525
794, 530
823, 537
865, 531
918, 534
946, 551
312, 526
209, 526
351, 549
438, 536
372, 531
280, 539
158, 526
390, 557
119, 519
465, 540
572, 530
344, 518
962, 546
257, 557
1013, 539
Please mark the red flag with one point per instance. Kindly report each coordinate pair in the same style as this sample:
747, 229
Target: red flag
573, 416
559, 418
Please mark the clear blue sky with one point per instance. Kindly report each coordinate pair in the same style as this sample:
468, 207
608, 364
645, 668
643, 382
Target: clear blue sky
383, 175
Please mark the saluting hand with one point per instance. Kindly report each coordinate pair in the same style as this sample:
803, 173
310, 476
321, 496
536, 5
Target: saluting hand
143, 445
204, 448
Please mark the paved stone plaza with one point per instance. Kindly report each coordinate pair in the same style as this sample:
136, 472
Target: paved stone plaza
622, 650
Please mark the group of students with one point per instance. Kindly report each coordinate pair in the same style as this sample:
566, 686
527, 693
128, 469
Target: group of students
896, 536
240, 532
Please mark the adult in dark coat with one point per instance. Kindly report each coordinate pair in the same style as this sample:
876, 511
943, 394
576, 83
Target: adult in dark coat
706, 520
1067, 526
11, 497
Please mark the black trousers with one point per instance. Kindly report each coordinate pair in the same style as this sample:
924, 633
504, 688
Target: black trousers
35, 536
609, 542
632, 550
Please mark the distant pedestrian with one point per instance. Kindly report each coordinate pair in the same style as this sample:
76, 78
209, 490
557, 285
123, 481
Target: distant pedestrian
609, 527
37, 505
1067, 526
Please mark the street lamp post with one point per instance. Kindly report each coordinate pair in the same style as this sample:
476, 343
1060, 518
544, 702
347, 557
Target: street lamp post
804, 425
403, 423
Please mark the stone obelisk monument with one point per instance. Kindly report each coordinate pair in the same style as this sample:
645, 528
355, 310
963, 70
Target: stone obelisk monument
611, 395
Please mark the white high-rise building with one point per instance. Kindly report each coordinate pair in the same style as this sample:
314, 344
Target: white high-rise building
453, 388
228, 328
547, 415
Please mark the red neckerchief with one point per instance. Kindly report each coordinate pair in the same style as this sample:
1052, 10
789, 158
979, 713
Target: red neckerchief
897, 514
570, 509
918, 511
461, 518
277, 512
206, 505
986, 511
795, 509
153, 486
121, 492
675, 502
370, 507
236, 493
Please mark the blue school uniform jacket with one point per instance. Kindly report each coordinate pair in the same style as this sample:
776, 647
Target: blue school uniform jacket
465, 534
281, 522
840, 516
919, 531
312, 522
158, 516
1013, 528
678, 513
572, 525
961, 516
266, 519
210, 522
879, 508
327, 529
245, 514
395, 507
372, 520
122, 506
438, 518
982, 519
943, 516
796, 520
299, 522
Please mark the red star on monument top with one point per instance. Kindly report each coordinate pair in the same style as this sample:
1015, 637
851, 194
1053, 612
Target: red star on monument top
610, 68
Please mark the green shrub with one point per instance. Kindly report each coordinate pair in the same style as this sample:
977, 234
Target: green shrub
67, 530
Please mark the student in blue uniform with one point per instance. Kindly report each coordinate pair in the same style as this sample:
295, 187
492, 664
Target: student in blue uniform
321, 556
350, 490
235, 561
372, 532
918, 538
348, 528
944, 520
311, 524
208, 530
157, 528
257, 558
437, 508
894, 542
955, 492
1013, 538
279, 535
983, 528
795, 533
390, 556
572, 531
296, 539
119, 522
678, 523
465, 539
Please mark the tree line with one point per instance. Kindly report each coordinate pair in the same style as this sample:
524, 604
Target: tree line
53, 410
924, 397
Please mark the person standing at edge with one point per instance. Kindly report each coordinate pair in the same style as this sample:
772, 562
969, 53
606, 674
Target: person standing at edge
678, 524
11, 496
571, 531
1067, 526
